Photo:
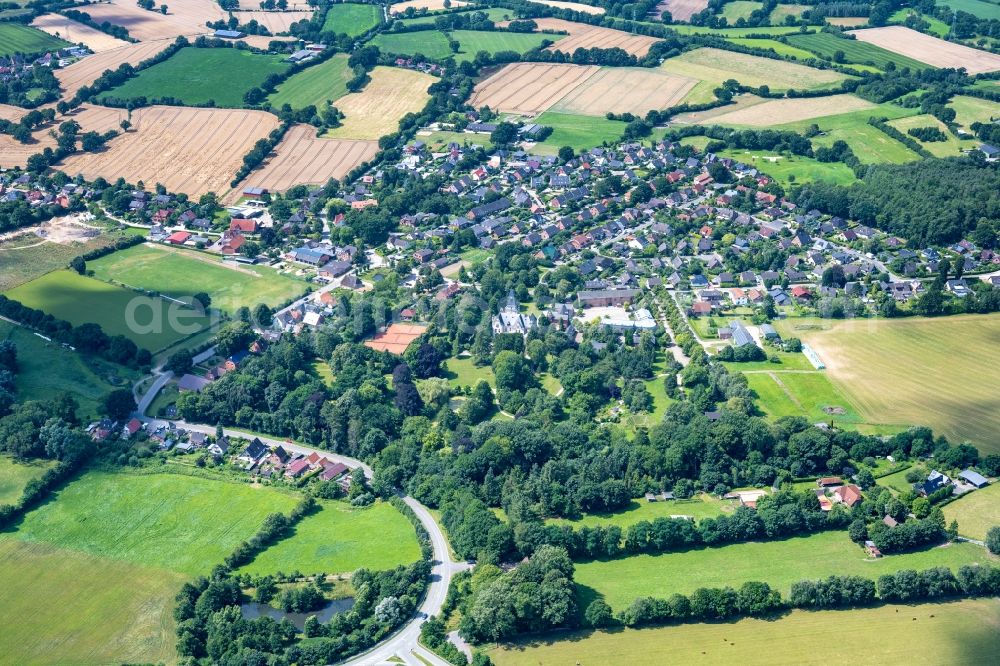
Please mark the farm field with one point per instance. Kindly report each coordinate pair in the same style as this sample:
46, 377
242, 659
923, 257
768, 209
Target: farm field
976, 512
341, 539
184, 17
779, 13
47, 370
63, 28
431, 43
351, 19
969, 110
96, 118
789, 110
182, 273
84, 72
68, 607
529, 88
855, 50
586, 36
302, 158
577, 132
430, 5
912, 634
14, 476
495, 14
715, 66
188, 150
733, 32
868, 143
572, 6
778, 563
275, 22
739, 9
80, 300
28, 258
472, 42
700, 506
804, 169
17, 38
935, 26
314, 85
681, 10
201, 75
625, 89
950, 147
982, 8
377, 109
871, 361
773, 44
930, 50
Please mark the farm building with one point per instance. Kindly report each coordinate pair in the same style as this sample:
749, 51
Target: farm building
606, 297
973, 477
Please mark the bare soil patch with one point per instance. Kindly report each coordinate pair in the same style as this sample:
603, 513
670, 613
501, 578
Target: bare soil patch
377, 109
530, 88
621, 90
183, 17
302, 158
429, 5
681, 10
275, 22
931, 50
86, 71
583, 36
77, 33
189, 150
779, 111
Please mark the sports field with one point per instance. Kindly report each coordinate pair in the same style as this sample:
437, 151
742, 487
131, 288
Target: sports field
377, 109
801, 393
341, 539
14, 476
577, 132
81, 300
197, 76
351, 19
856, 51
784, 167
976, 512
698, 507
314, 85
963, 632
46, 370
17, 38
778, 563
183, 273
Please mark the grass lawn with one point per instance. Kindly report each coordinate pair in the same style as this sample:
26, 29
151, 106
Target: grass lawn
825, 44
195, 76
799, 393
351, 19
950, 147
323, 371
577, 132
919, 635
882, 367
778, 47
169, 521
790, 169
779, 13
869, 144
778, 563
896, 481
495, 14
14, 476
474, 41
700, 506
936, 27
182, 273
683, 29
986, 9
23, 39
976, 512
431, 43
79, 300
440, 140
46, 370
315, 85
24, 259
67, 607
789, 361
463, 372
969, 110
739, 9
341, 539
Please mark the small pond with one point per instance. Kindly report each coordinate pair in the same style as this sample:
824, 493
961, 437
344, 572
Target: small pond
253, 610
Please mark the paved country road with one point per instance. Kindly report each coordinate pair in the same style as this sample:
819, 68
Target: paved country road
404, 643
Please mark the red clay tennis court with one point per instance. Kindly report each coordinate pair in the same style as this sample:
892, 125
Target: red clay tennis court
396, 338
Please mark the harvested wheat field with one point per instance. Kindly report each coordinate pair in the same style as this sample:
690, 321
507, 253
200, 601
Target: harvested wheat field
529, 88
429, 5
84, 72
183, 17
377, 109
779, 111
11, 113
625, 90
91, 118
396, 338
186, 149
77, 33
716, 65
681, 10
275, 22
302, 158
847, 21
930, 50
583, 36
263, 41
572, 6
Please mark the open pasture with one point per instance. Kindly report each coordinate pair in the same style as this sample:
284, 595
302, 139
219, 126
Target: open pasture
77, 33
472, 42
781, 12
17, 38
919, 635
429, 5
301, 157
80, 300
181, 274
577, 132
529, 88
582, 35
855, 51
680, 10
987, 9
572, 6
780, 48
341, 539
976, 512
314, 85
14, 475
714, 66
84, 72
885, 368
772, 30
778, 563
430, 43
789, 110
25, 258
700, 506
739, 9
199, 76
351, 18
275, 22
868, 143
950, 147
625, 89
930, 50
377, 109
189, 150
970, 110
183, 17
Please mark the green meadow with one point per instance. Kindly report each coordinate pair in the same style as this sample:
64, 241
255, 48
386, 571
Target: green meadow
700, 506
351, 19
826, 45
314, 85
23, 39
577, 132
790, 169
15, 475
